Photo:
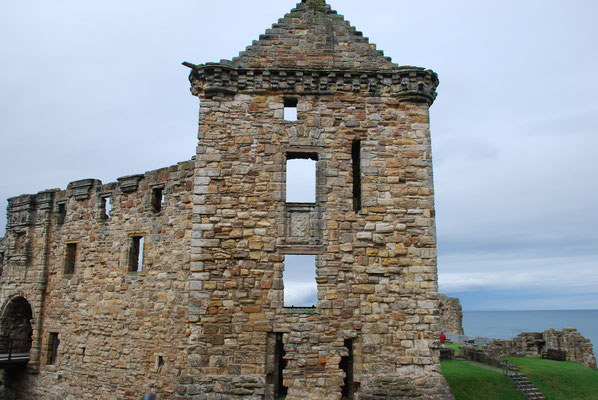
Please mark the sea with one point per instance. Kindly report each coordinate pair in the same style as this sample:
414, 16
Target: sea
507, 324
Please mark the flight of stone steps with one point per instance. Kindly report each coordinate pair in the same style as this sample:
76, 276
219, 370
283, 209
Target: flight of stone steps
524, 384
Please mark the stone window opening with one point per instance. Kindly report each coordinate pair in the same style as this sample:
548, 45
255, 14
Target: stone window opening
105, 206
347, 365
157, 199
1, 262
136, 248
301, 177
290, 109
356, 160
60, 212
20, 242
70, 258
299, 281
159, 362
53, 343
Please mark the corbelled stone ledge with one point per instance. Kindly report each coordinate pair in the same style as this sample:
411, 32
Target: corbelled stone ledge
406, 83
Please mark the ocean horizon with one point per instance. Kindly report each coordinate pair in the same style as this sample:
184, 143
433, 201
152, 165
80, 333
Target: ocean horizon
506, 324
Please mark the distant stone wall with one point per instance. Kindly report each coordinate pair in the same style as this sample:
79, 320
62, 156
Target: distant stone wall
451, 315
533, 344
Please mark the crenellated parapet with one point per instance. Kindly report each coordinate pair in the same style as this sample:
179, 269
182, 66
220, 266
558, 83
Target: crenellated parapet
20, 211
404, 83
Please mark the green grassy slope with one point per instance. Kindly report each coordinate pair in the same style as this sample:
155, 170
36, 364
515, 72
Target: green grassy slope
470, 382
559, 380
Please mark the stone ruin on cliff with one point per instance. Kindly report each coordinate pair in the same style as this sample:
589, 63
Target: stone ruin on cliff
174, 280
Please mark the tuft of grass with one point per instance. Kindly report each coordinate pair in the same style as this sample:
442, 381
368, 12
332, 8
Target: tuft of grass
559, 380
471, 382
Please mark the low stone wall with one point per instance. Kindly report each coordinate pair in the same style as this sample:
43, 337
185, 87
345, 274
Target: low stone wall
533, 344
451, 315
447, 354
482, 356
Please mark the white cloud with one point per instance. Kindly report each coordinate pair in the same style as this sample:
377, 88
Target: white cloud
300, 293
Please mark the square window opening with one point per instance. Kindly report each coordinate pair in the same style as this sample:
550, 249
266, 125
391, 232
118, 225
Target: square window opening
70, 258
299, 280
136, 254
290, 109
301, 177
157, 199
60, 213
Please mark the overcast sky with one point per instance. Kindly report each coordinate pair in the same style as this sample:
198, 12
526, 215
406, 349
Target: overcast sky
92, 89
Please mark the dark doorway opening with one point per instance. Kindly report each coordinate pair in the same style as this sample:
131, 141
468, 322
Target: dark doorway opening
17, 325
275, 365
346, 364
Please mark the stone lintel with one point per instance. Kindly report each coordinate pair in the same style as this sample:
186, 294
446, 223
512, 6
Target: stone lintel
406, 83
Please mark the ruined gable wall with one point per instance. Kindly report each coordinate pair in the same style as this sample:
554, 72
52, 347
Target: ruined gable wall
451, 314
113, 324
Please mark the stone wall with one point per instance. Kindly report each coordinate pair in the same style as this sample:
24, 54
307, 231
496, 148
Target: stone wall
534, 344
451, 315
113, 322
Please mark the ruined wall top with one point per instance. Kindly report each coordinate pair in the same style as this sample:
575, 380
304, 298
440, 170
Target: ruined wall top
451, 314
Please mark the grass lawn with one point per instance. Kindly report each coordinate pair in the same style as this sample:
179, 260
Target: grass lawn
559, 380
471, 382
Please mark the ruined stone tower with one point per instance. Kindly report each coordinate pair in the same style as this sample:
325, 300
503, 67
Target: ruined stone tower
187, 282
364, 122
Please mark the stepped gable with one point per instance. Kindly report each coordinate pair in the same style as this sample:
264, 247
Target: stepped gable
313, 36
313, 50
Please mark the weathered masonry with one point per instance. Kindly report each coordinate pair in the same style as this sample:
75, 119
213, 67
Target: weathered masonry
185, 280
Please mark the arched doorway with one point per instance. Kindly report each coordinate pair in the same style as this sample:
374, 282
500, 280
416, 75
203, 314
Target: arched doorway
16, 324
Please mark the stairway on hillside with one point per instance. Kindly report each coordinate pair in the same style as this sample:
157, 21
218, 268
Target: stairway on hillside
526, 386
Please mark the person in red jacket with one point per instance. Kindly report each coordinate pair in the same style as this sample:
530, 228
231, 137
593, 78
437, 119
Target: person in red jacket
442, 338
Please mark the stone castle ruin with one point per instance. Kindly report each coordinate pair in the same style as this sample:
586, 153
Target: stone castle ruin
451, 315
178, 280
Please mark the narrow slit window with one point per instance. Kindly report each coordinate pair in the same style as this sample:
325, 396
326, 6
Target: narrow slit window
136, 254
60, 213
1, 262
301, 177
70, 258
290, 109
53, 343
157, 199
356, 159
299, 280
105, 206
